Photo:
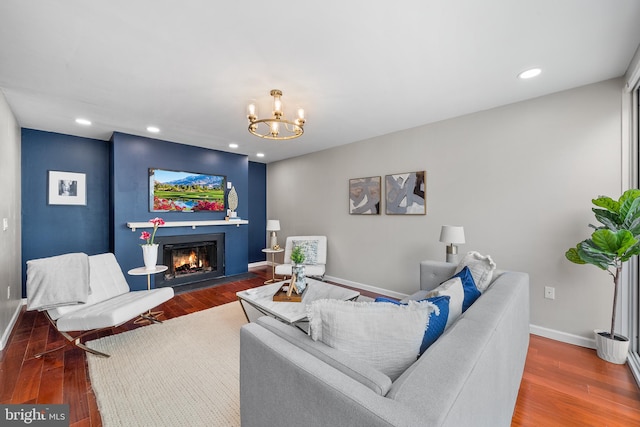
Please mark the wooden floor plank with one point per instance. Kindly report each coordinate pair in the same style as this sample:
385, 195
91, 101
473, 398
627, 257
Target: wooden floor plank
563, 385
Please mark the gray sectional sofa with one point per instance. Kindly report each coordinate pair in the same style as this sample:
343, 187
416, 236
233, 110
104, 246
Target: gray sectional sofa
469, 377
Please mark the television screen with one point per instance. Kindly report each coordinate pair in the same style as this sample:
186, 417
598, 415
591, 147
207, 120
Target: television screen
185, 191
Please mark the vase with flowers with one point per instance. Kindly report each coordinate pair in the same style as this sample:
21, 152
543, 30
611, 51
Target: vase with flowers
150, 249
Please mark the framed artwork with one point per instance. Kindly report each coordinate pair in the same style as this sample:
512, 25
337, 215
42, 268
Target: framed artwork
406, 193
364, 195
67, 188
185, 191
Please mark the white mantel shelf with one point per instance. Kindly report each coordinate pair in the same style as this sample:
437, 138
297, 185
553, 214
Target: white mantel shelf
192, 224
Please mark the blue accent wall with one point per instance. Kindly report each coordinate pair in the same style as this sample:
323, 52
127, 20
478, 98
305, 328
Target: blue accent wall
257, 211
118, 192
49, 230
132, 158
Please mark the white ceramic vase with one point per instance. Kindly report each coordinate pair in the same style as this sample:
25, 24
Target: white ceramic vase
301, 280
150, 256
611, 350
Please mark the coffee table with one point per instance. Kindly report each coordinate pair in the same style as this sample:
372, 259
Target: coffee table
261, 300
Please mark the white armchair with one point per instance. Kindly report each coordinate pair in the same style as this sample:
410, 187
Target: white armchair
315, 250
108, 301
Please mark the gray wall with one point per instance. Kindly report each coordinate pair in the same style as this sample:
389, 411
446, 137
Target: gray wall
10, 262
519, 178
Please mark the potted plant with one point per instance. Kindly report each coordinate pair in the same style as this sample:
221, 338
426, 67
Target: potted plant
609, 247
297, 269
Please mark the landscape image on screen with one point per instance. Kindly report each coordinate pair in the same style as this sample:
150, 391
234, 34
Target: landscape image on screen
185, 191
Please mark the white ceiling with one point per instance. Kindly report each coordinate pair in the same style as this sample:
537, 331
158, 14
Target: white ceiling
359, 68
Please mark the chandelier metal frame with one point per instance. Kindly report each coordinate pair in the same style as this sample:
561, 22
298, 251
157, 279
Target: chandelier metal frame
277, 127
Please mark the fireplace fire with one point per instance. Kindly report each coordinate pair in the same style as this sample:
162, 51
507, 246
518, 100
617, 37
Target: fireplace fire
190, 261
191, 258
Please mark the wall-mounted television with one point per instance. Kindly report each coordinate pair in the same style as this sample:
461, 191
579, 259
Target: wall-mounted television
185, 191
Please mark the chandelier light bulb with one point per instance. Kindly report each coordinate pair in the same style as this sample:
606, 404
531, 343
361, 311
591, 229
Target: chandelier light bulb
251, 110
277, 103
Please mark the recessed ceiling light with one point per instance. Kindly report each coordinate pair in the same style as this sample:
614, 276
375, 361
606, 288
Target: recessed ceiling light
531, 73
233, 145
153, 129
84, 122
260, 154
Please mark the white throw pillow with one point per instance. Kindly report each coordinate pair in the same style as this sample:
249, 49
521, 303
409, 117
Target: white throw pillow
309, 249
455, 291
386, 336
481, 268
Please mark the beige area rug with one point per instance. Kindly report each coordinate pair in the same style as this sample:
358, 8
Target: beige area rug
183, 372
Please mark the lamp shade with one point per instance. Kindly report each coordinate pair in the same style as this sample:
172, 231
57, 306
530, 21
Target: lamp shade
273, 225
452, 234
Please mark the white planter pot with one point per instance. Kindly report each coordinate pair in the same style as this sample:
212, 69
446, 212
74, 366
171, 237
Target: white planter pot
611, 350
150, 256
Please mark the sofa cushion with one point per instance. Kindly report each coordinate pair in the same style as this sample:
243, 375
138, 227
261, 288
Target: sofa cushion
481, 268
437, 318
462, 291
309, 249
386, 336
352, 367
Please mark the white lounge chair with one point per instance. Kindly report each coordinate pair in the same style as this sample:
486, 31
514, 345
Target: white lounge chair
312, 245
110, 303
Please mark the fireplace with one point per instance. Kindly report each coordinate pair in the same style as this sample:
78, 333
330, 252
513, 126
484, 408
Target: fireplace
190, 258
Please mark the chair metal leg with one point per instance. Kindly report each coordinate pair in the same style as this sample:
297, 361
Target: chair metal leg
72, 340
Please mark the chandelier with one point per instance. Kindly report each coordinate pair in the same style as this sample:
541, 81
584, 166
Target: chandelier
277, 126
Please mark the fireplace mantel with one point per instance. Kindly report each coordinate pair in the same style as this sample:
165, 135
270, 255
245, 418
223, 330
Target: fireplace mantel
193, 224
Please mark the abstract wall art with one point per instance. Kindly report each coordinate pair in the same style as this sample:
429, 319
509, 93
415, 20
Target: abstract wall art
364, 195
406, 193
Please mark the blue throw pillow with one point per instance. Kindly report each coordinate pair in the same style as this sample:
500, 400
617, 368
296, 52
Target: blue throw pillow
471, 292
437, 321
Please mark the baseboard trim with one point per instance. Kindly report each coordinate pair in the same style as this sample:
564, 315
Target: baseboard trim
562, 336
258, 264
364, 287
7, 332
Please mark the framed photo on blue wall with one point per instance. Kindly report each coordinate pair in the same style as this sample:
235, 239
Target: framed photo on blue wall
67, 188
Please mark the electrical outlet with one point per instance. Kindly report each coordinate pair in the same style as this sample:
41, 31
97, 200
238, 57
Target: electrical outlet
8, 292
5, 224
549, 292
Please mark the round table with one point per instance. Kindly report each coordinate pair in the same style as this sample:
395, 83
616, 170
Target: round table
273, 253
150, 316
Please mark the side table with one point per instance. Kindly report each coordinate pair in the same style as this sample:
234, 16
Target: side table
150, 316
273, 253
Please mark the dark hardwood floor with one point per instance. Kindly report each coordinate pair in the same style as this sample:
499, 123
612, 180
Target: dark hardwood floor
563, 385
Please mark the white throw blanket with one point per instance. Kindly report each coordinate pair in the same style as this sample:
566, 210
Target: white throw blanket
57, 281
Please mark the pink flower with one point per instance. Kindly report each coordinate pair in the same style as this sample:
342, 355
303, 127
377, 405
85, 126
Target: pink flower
156, 222
145, 235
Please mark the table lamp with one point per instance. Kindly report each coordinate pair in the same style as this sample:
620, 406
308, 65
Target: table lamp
452, 234
273, 225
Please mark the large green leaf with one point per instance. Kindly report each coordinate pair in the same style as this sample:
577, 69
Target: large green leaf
573, 256
610, 220
629, 210
608, 203
631, 252
613, 243
634, 227
599, 259
632, 193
